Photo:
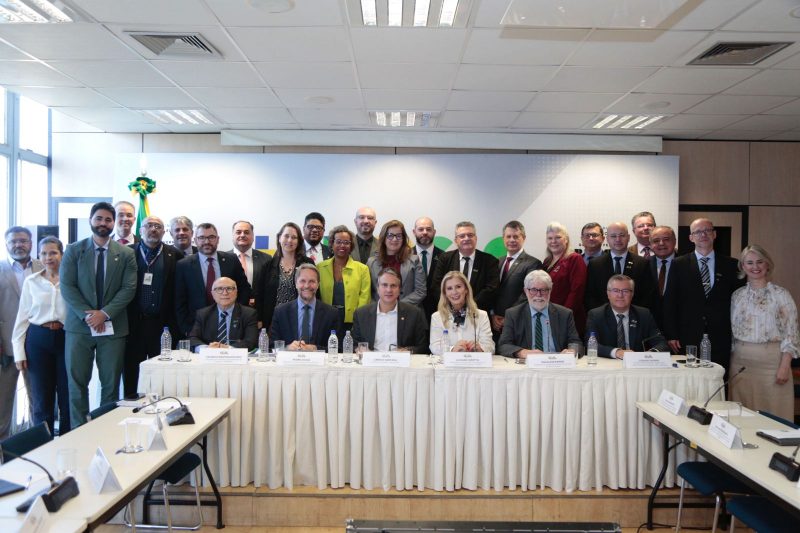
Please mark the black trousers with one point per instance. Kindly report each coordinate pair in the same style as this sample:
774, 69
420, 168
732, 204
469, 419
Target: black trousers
144, 340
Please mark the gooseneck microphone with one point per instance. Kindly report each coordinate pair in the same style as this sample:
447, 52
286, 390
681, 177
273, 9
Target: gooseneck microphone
700, 414
176, 417
54, 496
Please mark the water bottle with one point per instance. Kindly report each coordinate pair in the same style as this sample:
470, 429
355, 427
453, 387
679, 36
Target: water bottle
705, 351
347, 348
445, 346
166, 346
591, 349
263, 345
333, 348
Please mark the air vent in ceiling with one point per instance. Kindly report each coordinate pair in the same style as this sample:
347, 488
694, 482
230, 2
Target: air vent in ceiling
176, 45
738, 53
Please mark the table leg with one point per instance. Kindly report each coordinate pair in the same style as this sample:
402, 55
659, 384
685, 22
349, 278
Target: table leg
217, 496
651, 501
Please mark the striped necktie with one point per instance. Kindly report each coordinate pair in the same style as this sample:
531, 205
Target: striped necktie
705, 275
222, 328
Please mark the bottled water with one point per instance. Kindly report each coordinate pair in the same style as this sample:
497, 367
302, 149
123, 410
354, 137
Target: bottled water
263, 345
705, 351
591, 349
333, 348
166, 346
347, 348
446, 346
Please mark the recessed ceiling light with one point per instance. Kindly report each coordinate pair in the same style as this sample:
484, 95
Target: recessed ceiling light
409, 13
35, 11
402, 119
625, 122
182, 117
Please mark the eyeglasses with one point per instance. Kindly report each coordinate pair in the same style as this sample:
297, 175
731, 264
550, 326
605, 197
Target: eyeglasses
394, 236
617, 235
223, 290
465, 236
702, 232
540, 292
339, 242
210, 238
623, 292
15, 242
592, 235
314, 227
154, 225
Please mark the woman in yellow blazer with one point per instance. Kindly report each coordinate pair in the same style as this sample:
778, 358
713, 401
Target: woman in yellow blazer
343, 282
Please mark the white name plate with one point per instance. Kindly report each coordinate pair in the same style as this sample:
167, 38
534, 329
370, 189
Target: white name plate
396, 359
725, 432
101, 474
37, 519
647, 360
468, 359
550, 360
671, 402
300, 358
155, 437
225, 356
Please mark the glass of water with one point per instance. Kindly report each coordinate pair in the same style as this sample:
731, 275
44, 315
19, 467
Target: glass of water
691, 356
575, 348
184, 351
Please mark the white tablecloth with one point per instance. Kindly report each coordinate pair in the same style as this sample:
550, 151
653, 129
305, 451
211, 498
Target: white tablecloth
444, 429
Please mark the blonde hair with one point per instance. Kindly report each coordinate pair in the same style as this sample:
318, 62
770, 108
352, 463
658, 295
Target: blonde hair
760, 252
444, 304
559, 228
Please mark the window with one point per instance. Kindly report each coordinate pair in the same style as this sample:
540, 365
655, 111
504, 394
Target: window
3, 194
31, 194
2, 116
33, 127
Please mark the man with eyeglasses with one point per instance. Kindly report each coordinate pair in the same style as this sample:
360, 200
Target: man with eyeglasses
621, 327
313, 231
153, 307
538, 325
592, 240
642, 224
13, 272
698, 296
481, 269
225, 323
366, 244
195, 276
253, 261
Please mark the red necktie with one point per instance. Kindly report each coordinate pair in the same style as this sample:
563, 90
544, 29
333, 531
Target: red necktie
123, 241
506, 266
646, 251
211, 276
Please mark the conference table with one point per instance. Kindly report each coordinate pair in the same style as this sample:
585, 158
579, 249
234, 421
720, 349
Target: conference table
434, 427
133, 471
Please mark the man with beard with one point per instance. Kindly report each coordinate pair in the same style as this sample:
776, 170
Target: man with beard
13, 272
305, 323
424, 232
98, 281
182, 231
126, 218
153, 307
253, 261
313, 230
366, 244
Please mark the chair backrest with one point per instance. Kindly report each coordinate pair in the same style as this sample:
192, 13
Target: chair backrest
100, 411
25, 441
779, 419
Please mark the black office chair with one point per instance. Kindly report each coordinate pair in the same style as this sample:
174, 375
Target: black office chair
760, 514
100, 411
779, 419
25, 441
709, 480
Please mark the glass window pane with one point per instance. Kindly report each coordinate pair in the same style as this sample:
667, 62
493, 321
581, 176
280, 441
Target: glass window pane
3, 117
32, 126
5, 200
31, 194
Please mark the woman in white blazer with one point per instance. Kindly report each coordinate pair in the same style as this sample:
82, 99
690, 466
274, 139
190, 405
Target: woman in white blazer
467, 326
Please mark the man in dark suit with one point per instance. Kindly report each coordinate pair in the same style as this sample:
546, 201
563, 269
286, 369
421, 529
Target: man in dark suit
366, 244
98, 281
225, 323
513, 270
390, 323
642, 225
195, 275
618, 260
592, 238
662, 243
537, 326
313, 231
621, 327
698, 297
125, 223
424, 232
253, 261
480, 268
182, 230
304, 323
153, 307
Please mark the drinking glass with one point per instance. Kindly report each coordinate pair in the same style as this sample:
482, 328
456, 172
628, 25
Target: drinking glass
66, 461
691, 356
184, 351
132, 437
575, 348
361, 349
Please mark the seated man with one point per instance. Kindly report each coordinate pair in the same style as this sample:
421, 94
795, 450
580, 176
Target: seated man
389, 324
537, 326
305, 323
226, 324
621, 327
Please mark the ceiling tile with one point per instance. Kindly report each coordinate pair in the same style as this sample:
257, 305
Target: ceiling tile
341, 98
234, 97
64, 96
146, 11
65, 41
488, 101
710, 14
502, 77
91, 115
724, 104
414, 45
66, 124
406, 76
633, 48
316, 13
792, 108
240, 115
310, 75
695, 80
767, 16
490, 14
679, 135
149, 97
699, 122
8, 52
477, 119
734, 135
293, 44
656, 103
132, 127
522, 46
598, 80
554, 121
212, 73
334, 117
770, 82
791, 62
572, 102
112, 73
767, 123
389, 100
32, 73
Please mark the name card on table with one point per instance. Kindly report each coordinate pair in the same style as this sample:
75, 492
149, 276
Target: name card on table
725, 432
225, 356
394, 359
101, 474
468, 359
300, 358
550, 360
37, 518
155, 437
647, 360
671, 402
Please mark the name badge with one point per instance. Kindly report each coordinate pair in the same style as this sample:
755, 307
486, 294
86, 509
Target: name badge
225, 356
550, 360
147, 279
725, 432
468, 359
101, 474
671, 402
647, 360
396, 359
300, 358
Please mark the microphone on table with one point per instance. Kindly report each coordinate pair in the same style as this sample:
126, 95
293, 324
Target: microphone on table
788, 466
54, 496
700, 414
176, 417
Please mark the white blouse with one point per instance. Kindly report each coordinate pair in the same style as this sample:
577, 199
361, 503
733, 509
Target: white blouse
767, 314
40, 302
465, 332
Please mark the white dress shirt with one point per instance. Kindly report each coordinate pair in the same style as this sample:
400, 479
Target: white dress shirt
471, 264
40, 302
316, 252
385, 329
19, 272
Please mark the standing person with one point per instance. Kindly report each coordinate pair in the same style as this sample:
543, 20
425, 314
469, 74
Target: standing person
125, 222
394, 252
39, 339
344, 283
642, 225
468, 327
592, 239
253, 261
182, 231
98, 281
313, 231
567, 271
765, 337
662, 242
424, 232
366, 245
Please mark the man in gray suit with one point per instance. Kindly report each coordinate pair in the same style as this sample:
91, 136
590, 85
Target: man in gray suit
13, 272
537, 326
98, 281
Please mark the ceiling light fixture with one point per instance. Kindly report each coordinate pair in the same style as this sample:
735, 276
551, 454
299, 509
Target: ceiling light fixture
625, 122
398, 119
421, 10
369, 13
448, 12
181, 117
409, 13
396, 13
34, 11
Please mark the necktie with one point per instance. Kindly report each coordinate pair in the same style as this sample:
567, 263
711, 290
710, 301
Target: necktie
305, 334
617, 265
313, 254
646, 251
222, 328
621, 332
243, 261
100, 277
705, 276
424, 254
123, 241
466, 268
538, 338
662, 277
506, 266
211, 276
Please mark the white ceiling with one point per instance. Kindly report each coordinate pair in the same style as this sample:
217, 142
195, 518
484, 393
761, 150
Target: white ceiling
310, 68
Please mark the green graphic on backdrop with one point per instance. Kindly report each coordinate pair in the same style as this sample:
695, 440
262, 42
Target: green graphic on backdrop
442, 242
496, 247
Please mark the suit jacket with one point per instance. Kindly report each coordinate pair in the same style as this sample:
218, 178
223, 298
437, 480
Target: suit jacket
658, 299
600, 269
688, 313
643, 333
432, 293
411, 326
190, 289
510, 291
373, 250
267, 291
77, 275
485, 277
285, 320
326, 253
413, 286
10, 294
260, 260
171, 256
242, 333
517, 334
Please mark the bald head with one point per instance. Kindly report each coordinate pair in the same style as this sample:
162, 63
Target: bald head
424, 232
618, 237
365, 222
152, 231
